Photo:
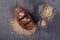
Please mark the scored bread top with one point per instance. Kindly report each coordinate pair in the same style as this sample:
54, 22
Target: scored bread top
24, 19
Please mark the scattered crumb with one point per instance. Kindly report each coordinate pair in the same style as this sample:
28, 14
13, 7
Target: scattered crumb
43, 23
47, 12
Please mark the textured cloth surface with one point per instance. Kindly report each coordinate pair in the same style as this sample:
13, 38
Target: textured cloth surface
7, 12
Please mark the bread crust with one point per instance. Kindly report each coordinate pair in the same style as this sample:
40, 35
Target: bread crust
24, 19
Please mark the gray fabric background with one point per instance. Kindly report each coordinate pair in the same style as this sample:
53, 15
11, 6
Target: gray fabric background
7, 12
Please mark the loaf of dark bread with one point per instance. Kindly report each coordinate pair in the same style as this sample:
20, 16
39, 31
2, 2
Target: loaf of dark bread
24, 19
